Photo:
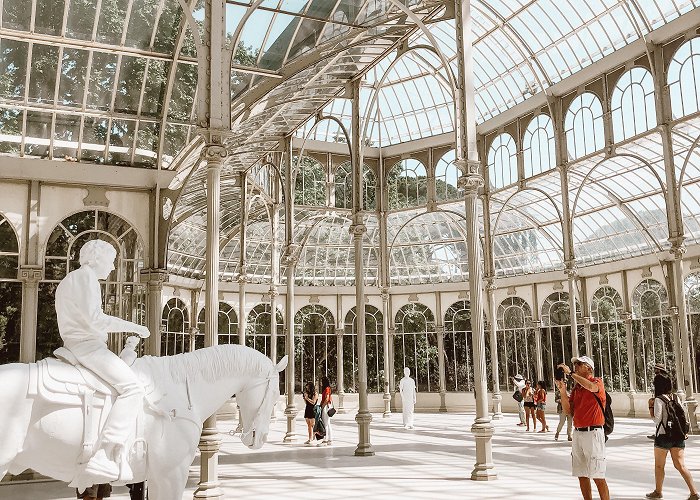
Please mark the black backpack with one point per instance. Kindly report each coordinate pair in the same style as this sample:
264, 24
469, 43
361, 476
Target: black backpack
676, 424
609, 424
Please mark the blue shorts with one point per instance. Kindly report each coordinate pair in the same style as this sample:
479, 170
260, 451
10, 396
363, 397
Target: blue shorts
665, 442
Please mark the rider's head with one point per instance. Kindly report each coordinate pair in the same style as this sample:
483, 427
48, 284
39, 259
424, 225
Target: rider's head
99, 255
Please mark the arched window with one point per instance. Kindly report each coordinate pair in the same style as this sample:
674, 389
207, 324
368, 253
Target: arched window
556, 332
692, 300
584, 126
609, 339
415, 346
538, 146
651, 328
632, 102
375, 350
343, 187
10, 294
258, 332
446, 175
459, 369
684, 79
175, 328
517, 351
227, 327
502, 162
310, 185
316, 348
408, 184
122, 294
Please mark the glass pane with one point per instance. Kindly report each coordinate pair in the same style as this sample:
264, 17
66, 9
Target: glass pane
38, 134
48, 18
169, 26
16, 14
94, 139
81, 19
131, 74
42, 83
156, 84
147, 144
13, 64
141, 22
121, 142
111, 23
66, 136
101, 80
73, 75
10, 130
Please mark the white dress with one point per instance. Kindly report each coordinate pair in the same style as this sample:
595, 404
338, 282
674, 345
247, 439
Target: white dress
407, 387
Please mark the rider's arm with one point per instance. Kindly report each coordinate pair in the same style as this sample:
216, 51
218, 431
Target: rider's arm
88, 292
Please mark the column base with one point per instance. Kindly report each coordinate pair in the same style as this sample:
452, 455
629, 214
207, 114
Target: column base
291, 413
632, 396
364, 447
484, 469
496, 400
341, 399
387, 405
443, 404
208, 491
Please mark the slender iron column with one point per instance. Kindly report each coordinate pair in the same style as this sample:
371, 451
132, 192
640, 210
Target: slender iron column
154, 279
471, 181
385, 342
30, 276
358, 230
573, 292
210, 442
627, 319
440, 334
493, 327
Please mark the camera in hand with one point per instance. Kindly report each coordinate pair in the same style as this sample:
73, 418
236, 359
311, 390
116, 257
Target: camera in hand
559, 373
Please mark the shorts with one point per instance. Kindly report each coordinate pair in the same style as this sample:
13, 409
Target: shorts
665, 442
541, 406
529, 404
96, 491
588, 454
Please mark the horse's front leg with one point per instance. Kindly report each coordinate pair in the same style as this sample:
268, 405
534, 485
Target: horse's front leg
169, 459
168, 484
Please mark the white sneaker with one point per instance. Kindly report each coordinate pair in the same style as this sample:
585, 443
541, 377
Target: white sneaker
308, 441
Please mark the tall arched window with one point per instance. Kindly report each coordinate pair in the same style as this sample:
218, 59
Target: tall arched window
343, 187
10, 294
375, 350
227, 328
684, 79
692, 299
316, 347
415, 346
515, 338
175, 328
556, 331
651, 328
609, 338
258, 332
122, 294
538, 146
310, 185
502, 162
584, 126
459, 369
446, 176
632, 103
408, 184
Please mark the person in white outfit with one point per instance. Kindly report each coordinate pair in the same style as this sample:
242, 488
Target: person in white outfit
519, 382
407, 388
84, 327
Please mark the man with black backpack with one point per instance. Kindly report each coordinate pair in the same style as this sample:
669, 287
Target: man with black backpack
587, 406
671, 432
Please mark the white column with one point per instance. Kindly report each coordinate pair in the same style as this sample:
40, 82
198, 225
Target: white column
340, 358
573, 292
30, 276
210, 442
154, 279
496, 397
291, 410
472, 181
387, 359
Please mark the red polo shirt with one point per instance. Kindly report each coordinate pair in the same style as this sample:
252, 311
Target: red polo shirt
585, 407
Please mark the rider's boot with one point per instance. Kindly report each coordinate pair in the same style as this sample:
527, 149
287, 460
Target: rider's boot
101, 469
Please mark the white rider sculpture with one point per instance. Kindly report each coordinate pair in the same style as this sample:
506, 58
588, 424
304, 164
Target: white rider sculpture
84, 327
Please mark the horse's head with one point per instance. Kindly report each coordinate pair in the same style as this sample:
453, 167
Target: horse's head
256, 402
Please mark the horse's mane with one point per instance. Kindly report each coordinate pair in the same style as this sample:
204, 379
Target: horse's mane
214, 363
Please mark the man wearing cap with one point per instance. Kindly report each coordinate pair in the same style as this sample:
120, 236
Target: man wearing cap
588, 447
519, 382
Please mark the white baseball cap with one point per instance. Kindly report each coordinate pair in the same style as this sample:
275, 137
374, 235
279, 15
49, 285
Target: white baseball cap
519, 377
584, 359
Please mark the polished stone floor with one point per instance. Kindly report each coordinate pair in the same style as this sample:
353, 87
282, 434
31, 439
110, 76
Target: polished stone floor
433, 460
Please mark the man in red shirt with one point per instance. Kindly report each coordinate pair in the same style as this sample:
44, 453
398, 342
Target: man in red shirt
588, 447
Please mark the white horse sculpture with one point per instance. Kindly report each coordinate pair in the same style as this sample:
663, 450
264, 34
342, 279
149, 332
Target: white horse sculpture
48, 437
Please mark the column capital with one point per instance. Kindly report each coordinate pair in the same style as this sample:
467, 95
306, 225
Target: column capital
153, 277
384, 293
677, 249
273, 292
535, 324
586, 320
392, 331
340, 331
490, 284
243, 279
358, 230
673, 311
440, 330
30, 275
571, 270
626, 317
